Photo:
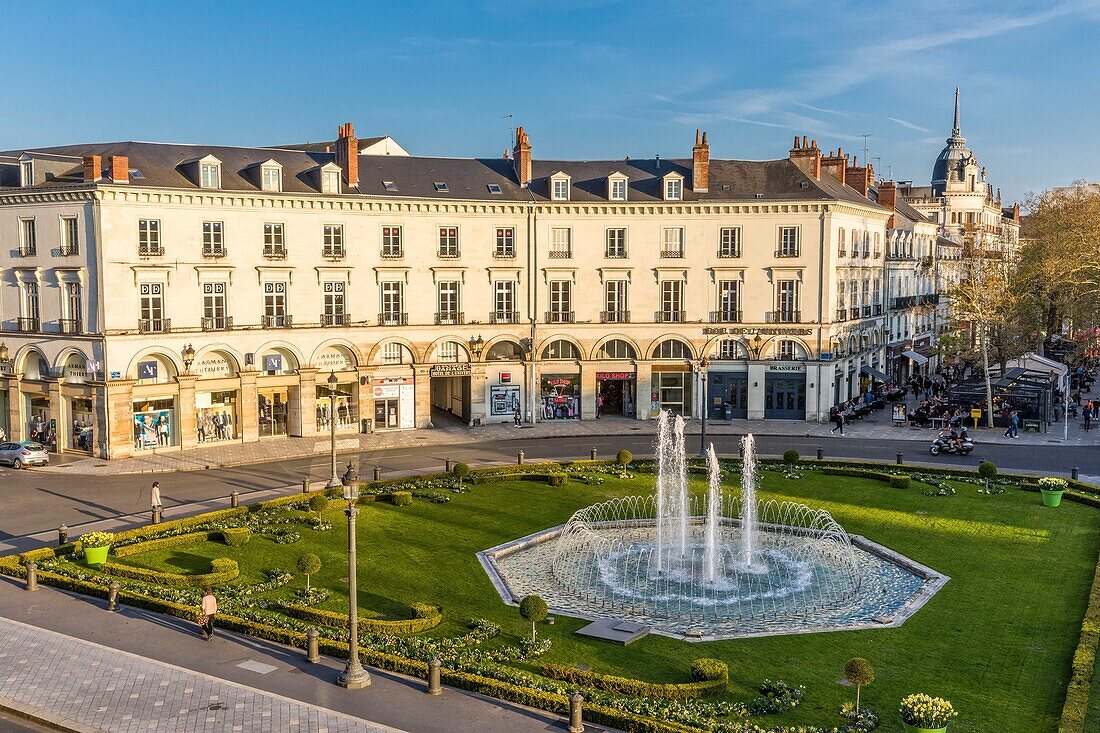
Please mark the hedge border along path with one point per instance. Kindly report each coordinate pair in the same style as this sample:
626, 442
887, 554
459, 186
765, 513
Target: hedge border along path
1076, 706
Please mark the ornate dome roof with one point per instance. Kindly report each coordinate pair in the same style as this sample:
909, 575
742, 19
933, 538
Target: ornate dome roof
954, 154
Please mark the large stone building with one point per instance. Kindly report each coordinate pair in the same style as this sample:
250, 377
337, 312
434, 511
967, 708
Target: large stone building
161, 296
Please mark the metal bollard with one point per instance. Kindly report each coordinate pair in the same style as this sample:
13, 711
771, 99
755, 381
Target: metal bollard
592, 454
576, 719
820, 453
447, 465
312, 653
235, 500
519, 458
32, 576
305, 486
377, 472
899, 457
434, 687
112, 596
62, 535
156, 515
1074, 473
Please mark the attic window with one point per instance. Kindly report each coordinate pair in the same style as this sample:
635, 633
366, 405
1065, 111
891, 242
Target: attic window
616, 189
674, 189
559, 188
210, 175
759, 195
26, 173
442, 187
330, 181
389, 185
725, 187
271, 178
494, 188
805, 184
135, 173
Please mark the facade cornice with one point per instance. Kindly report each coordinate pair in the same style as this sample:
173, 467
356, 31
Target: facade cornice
52, 196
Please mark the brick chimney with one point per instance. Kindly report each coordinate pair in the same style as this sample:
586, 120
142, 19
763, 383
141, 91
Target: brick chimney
521, 157
860, 178
93, 168
807, 157
347, 153
888, 199
118, 168
700, 164
835, 166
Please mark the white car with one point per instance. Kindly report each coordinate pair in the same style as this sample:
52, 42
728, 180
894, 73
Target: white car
26, 453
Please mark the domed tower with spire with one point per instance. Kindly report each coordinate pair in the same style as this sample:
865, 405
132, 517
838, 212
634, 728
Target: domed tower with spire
956, 167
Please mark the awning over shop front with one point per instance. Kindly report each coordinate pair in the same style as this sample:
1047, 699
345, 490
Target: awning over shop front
874, 373
915, 357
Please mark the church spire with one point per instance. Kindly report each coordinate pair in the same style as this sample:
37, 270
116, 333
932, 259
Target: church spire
956, 131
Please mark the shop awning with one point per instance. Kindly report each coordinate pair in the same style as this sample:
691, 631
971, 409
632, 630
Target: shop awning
875, 373
915, 357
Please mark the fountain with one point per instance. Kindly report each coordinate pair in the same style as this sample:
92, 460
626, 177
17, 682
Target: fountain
711, 565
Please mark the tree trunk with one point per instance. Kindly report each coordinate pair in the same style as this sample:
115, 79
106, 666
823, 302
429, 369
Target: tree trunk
982, 341
532, 632
857, 701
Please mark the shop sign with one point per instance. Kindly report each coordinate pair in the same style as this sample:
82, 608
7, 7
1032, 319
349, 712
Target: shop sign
557, 381
408, 406
451, 370
214, 365
752, 331
148, 369
786, 367
116, 375
334, 359
503, 399
387, 391
505, 377
614, 375
273, 362
897, 413
75, 373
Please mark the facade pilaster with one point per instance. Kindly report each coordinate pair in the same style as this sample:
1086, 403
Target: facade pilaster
186, 406
757, 372
422, 381
59, 414
644, 401
249, 418
479, 409
307, 401
120, 407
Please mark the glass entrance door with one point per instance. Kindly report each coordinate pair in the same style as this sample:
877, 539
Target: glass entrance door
785, 399
728, 396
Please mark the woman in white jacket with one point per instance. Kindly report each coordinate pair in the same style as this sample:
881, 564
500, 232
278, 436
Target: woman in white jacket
207, 609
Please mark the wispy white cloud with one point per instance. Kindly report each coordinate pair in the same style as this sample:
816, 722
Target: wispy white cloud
908, 125
822, 109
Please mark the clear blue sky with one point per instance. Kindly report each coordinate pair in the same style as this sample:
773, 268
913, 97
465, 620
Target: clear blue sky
589, 79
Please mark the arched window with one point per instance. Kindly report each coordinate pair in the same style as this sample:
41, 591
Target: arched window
504, 351
450, 352
560, 349
789, 350
732, 349
395, 352
672, 349
617, 349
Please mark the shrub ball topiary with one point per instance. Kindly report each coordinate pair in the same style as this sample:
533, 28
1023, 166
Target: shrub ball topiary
791, 456
899, 482
461, 470
859, 672
556, 479
401, 498
309, 564
318, 503
624, 457
533, 608
703, 670
987, 470
236, 536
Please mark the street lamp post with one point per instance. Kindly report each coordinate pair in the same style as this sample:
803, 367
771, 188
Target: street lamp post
333, 479
188, 358
703, 364
354, 677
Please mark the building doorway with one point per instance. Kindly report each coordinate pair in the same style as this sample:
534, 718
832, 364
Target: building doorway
728, 395
785, 398
618, 393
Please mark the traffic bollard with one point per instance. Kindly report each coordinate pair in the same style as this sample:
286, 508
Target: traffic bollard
576, 713
519, 458
434, 687
305, 486
312, 653
447, 465
820, 453
32, 576
235, 500
62, 535
377, 472
899, 457
156, 515
112, 596
1074, 473
593, 454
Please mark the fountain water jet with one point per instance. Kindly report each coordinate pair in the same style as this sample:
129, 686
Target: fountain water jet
748, 499
714, 511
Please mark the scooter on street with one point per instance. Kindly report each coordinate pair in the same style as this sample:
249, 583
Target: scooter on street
946, 443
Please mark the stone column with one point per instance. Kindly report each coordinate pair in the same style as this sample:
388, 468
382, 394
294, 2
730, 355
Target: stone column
17, 423
422, 376
120, 413
61, 413
588, 390
643, 390
185, 406
248, 418
100, 434
307, 400
479, 410
364, 395
757, 371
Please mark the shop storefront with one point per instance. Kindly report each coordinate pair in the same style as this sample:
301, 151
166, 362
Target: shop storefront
618, 391
216, 416
785, 392
154, 421
561, 396
272, 408
671, 391
394, 404
40, 426
343, 408
727, 395
81, 412
505, 395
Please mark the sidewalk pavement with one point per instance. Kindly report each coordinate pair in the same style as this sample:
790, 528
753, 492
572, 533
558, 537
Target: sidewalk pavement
875, 427
67, 661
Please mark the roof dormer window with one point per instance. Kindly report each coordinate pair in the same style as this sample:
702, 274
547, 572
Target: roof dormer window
674, 187
26, 173
442, 187
559, 187
210, 172
330, 178
616, 187
271, 176
389, 185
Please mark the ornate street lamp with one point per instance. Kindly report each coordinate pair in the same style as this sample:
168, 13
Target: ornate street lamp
477, 346
333, 479
757, 345
703, 364
188, 358
354, 677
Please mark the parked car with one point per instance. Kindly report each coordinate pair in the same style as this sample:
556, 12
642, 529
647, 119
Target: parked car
26, 453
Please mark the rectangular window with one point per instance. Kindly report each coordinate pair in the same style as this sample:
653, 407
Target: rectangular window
272, 179
672, 301
504, 301
30, 302
149, 237
788, 242
672, 242
393, 353
448, 242
275, 304
333, 304
26, 173
841, 243
330, 181
393, 303
70, 236
151, 302
274, 244
332, 238
561, 243
210, 176
448, 310
618, 189
616, 302
787, 302
561, 301
729, 242
841, 301
674, 189
28, 238
729, 301
561, 189
505, 245
213, 243
214, 311
616, 243
391, 242
73, 309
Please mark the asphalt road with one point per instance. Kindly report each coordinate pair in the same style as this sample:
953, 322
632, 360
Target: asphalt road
32, 501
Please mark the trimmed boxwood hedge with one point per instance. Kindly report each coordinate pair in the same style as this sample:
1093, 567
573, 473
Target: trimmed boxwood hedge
425, 616
161, 543
222, 570
640, 688
1084, 662
236, 536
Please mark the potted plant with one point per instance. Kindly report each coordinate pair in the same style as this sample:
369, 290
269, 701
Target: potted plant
96, 545
1052, 489
921, 713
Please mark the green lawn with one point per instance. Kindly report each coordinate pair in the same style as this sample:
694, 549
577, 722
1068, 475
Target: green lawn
997, 640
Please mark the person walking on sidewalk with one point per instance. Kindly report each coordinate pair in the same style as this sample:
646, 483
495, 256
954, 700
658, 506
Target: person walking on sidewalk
1013, 425
154, 496
207, 610
1087, 412
838, 418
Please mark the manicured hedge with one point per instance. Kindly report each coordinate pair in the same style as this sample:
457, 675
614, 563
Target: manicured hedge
222, 570
885, 478
401, 498
899, 482
553, 479
1084, 662
236, 536
423, 619
639, 688
161, 543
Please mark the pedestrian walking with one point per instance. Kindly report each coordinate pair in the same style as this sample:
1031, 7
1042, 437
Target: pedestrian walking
599, 405
838, 418
1087, 412
208, 608
516, 418
1013, 425
154, 496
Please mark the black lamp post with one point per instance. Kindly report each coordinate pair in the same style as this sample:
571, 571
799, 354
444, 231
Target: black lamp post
333, 479
354, 677
477, 345
188, 357
4, 354
703, 364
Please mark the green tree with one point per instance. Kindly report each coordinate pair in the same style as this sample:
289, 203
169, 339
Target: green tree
534, 609
309, 564
461, 470
859, 672
623, 458
317, 504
